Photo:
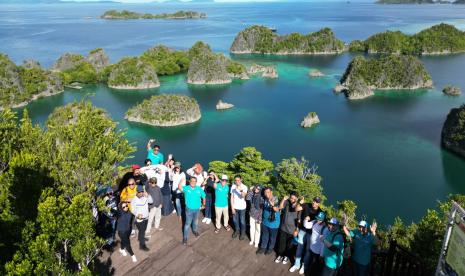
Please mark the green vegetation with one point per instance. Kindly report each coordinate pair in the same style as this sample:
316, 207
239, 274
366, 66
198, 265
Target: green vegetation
207, 67
453, 131
75, 68
236, 68
166, 61
451, 90
260, 39
388, 72
125, 14
47, 186
132, 71
165, 110
441, 38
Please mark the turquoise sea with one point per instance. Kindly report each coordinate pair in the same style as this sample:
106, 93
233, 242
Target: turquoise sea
383, 152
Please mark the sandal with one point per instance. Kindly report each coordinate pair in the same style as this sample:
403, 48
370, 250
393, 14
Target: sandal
228, 228
217, 230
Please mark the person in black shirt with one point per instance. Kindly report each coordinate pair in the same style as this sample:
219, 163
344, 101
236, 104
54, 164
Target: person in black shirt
209, 191
139, 177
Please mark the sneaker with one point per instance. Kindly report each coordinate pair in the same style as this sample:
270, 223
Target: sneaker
234, 235
251, 243
133, 233
160, 229
256, 246
208, 221
196, 234
123, 252
302, 271
242, 237
293, 268
148, 236
184, 241
268, 252
134, 259
278, 259
144, 248
285, 260
204, 220
260, 251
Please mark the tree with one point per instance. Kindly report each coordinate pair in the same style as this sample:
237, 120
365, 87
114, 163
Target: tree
252, 168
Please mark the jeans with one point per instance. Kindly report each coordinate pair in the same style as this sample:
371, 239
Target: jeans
192, 217
221, 211
268, 237
141, 226
239, 215
154, 216
208, 206
254, 231
285, 244
300, 251
328, 271
360, 270
310, 258
125, 243
177, 203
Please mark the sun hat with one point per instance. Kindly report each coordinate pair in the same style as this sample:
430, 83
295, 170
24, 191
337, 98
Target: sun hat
333, 221
177, 164
320, 216
224, 177
363, 223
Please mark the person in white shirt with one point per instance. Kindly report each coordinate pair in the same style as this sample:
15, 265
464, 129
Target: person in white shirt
140, 209
198, 172
179, 178
158, 171
238, 206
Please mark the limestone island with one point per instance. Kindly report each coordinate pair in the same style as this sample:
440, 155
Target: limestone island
453, 131
419, 2
265, 71
310, 120
128, 15
165, 110
133, 73
19, 85
262, 40
437, 40
393, 72
316, 74
451, 90
222, 105
207, 67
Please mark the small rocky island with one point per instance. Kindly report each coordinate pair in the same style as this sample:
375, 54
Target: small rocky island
165, 110
133, 73
451, 90
128, 15
386, 73
310, 120
453, 131
222, 105
262, 40
316, 74
20, 85
265, 71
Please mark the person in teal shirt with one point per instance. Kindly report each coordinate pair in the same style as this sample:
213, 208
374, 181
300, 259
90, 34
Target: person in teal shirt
221, 203
194, 196
363, 241
333, 248
270, 223
154, 154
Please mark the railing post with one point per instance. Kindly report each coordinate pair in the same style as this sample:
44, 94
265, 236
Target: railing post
390, 256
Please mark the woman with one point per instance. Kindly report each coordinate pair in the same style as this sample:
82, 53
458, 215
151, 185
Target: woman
124, 230
178, 177
255, 213
167, 207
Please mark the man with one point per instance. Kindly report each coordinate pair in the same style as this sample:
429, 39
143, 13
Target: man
193, 196
154, 153
209, 191
135, 173
140, 209
314, 244
255, 213
333, 248
198, 172
363, 242
179, 178
238, 206
155, 207
221, 203
290, 209
270, 224
158, 171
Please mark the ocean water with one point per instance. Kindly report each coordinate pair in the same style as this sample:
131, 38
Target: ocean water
382, 152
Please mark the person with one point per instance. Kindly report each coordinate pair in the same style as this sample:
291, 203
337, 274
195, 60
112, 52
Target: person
111, 215
290, 210
198, 172
179, 178
158, 171
139, 177
124, 228
314, 251
155, 207
140, 209
154, 153
333, 248
254, 196
270, 222
209, 191
167, 208
238, 206
221, 203
193, 195
126, 196
363, 241
146, 169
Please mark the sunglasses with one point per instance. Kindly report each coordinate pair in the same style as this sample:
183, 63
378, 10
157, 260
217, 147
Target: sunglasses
125, 206
132, 184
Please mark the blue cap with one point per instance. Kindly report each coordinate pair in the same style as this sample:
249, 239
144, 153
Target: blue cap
140, 188
320, 216
333, 221
363, 224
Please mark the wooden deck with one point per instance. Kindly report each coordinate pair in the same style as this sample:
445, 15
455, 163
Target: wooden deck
209, 254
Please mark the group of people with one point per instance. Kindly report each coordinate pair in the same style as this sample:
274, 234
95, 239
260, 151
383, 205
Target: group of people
296, 230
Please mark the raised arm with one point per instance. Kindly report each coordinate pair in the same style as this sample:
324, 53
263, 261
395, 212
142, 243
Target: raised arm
347, 232
281, 205
373, 228
149, 144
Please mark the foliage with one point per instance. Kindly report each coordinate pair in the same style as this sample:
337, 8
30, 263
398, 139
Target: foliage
83, 72
131, 71
166, 61
236, 68
125, 14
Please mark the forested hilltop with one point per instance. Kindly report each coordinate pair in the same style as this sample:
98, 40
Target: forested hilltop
126, 15
438, 39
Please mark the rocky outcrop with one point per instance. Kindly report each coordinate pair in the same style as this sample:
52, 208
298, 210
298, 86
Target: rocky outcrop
31, 64
207, 67
261, 39
240, 76
339, 88
453, 131
451, 90
265, 71
316, 74
388, 72
222, 105
165, 110
310, 120
98, 59
133, 73
67, 61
